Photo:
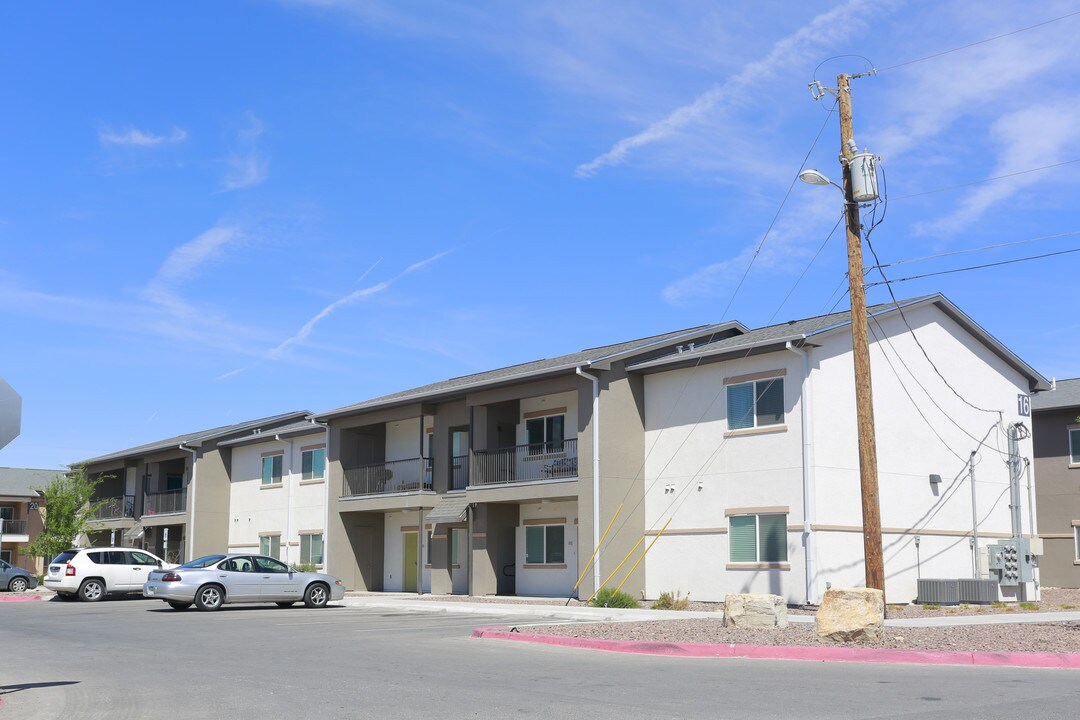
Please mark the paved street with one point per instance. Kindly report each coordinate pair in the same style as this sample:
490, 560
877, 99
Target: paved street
138, 659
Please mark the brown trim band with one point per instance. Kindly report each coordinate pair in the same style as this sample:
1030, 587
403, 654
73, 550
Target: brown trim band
688, 531
911, 531
544, 413
272, 453
306, 448
763, 430
760, 510
410, 528
545, 521
758, 566
1056, 536
270, 533
543, 567
763, 375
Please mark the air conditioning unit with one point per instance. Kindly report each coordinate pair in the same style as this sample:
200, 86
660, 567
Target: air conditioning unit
979, 592
938, 592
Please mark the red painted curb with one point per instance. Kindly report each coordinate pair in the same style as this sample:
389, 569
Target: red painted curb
797, 652
19, 598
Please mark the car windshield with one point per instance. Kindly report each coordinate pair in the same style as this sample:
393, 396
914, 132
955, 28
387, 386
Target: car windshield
65, 556
205, 561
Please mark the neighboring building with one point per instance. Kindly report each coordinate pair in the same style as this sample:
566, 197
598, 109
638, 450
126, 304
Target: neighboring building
1056, 417
21, 507
278, 493
171, 497
742, 441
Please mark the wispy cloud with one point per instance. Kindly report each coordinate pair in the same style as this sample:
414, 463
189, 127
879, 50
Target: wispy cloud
356, 296
185, 262
137, 138
797, 48
247, 165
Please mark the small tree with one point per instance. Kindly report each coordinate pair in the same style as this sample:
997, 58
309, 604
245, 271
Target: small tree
68, 512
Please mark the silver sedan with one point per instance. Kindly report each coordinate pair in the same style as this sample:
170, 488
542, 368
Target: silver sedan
214, 580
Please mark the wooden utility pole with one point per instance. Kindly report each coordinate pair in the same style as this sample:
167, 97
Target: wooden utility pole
864, 398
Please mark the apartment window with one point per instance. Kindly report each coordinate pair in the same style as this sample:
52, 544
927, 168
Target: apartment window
1076, 542
545, 434
545, 544
311, 548
758, 538
7, 513
755, 404
313, 464
271, 469
455, 538
270, 545
1074, 446
174, 481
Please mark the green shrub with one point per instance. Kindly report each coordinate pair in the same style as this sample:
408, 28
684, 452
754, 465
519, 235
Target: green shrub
1067, 607
609, 598
931, 606
672, 601
1029, 606
304, 567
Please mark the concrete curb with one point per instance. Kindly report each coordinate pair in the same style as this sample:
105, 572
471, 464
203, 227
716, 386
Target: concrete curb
797, 652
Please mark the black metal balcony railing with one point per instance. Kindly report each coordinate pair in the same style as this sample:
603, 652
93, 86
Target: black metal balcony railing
459, 472
115, 508
395, 476
15, 527
165, 501
524, 463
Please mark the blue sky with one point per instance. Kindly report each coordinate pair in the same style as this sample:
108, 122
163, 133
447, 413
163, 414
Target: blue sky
215, 211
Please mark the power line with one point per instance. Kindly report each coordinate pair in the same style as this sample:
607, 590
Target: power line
973, 267
806, 269
980, 42
979, 249
989, 179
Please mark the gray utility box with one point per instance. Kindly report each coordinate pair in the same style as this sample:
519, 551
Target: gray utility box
938, 592
1012, 561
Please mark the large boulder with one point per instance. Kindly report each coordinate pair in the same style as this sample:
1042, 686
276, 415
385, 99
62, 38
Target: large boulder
851, 614
748, 610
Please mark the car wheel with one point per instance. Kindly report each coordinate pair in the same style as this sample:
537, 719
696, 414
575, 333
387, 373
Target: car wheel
209, 597
285, 604
178, 605
17, 584
92, 590
317, 595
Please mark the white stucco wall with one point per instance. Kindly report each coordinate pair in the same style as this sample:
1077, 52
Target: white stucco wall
290, 509
394, 551
404, 437
548, 582
693, 474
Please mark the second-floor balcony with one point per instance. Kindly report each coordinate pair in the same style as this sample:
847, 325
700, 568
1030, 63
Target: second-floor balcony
554, 460
163, 502
15, 527
395, 476
114, 508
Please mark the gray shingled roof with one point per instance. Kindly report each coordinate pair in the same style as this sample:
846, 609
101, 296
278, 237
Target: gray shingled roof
303, 427
193, 438
1066, 393
19, 482
524, 370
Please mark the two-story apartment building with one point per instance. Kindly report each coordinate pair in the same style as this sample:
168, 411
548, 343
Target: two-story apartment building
21, 508
731, 452
1056, 417
171, 496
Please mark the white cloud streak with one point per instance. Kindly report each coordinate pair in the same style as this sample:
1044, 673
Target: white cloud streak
796, 48
134, 137
247, 165
356, 296
185, 262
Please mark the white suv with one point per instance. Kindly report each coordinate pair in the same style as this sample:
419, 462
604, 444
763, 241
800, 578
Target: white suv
93, 573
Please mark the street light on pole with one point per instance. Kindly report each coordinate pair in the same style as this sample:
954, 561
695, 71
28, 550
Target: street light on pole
864, 400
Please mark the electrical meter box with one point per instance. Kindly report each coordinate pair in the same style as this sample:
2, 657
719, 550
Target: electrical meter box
1012, 561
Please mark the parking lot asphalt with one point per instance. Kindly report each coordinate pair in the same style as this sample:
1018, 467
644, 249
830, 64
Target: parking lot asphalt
134, 658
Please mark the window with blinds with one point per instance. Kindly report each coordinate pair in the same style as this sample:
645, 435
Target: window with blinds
755, 404
758, 538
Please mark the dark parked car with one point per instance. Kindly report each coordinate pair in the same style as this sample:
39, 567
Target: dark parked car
15, 579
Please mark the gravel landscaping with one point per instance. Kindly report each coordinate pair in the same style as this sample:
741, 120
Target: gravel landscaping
1057, 637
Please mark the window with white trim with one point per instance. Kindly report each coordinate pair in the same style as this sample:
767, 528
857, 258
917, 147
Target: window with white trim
545, 434
271, 469
758, 538
1074, 446
313, 464
755, 404
1076, 542
311, 548
545, 544
270, 545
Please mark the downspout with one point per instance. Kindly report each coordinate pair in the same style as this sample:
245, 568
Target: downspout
807, 473
191, 515
326, 495
595, 472
288, 500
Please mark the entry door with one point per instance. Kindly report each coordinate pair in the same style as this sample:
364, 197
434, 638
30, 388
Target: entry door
410, 569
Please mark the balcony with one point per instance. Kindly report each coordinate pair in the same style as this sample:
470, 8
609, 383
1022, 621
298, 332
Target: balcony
525, 463
164, 502
15, 527
115, 508
396, 476
459, 472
